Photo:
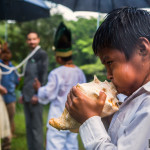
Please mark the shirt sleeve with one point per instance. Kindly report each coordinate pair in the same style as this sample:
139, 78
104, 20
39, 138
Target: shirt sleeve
134, 134
48, 92
42, 68
94, 135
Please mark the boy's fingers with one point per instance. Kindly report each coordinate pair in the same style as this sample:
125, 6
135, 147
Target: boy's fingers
70, 98
76, 91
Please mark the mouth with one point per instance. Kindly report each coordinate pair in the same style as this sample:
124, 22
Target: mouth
117, 88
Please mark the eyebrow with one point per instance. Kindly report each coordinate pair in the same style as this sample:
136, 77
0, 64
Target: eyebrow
105, 58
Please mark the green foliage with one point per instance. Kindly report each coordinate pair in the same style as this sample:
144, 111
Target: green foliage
83, 31
94, 69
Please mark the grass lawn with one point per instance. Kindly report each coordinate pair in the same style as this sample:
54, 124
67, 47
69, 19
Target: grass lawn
19, 141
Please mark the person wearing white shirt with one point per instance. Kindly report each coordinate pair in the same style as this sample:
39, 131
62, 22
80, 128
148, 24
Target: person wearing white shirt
122, 42
60, 81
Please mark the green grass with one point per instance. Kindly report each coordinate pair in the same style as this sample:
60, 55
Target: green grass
19, 141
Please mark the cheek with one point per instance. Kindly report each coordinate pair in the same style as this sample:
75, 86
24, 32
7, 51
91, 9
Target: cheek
126, 73
124, 77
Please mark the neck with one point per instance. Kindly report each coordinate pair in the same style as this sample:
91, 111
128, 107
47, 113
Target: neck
6, 62
31, 49
69, 64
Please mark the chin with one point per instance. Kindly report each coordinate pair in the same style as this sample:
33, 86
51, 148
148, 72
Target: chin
32, 47
127, 93
120, 91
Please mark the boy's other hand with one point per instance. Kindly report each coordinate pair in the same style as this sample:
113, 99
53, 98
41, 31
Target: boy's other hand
36, 84
82, 107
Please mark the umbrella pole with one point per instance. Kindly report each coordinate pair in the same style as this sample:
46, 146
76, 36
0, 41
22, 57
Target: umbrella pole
5, 31
98, 20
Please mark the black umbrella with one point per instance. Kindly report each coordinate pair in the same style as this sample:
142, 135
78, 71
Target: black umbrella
103, 6
23, 10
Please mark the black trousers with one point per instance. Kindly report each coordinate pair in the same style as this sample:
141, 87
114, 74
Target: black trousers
34, 125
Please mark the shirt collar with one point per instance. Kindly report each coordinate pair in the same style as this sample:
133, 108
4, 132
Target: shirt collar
123, 97
147, 86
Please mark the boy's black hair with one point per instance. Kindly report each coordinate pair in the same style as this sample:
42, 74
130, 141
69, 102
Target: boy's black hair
121, 30
65, 59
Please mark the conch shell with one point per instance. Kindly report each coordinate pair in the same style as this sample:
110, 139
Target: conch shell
91, 89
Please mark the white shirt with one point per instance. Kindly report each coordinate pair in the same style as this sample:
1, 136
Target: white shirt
60, 81
129, 128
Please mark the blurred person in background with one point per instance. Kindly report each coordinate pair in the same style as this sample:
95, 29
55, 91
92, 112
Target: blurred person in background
60, 81
36, 67
5, 131
9, 81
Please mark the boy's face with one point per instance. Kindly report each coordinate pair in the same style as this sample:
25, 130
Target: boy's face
127, 75
6, 55
33, 40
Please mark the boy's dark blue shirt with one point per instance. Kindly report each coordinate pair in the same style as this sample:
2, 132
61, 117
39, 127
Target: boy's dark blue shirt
9, 81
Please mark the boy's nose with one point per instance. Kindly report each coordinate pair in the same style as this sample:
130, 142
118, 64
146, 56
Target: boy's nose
109, 76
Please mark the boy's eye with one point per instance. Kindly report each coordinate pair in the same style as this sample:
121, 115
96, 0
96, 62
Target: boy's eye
109, 62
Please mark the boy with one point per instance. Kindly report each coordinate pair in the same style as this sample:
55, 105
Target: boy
122, 43
5, 132
60, 81
9, 81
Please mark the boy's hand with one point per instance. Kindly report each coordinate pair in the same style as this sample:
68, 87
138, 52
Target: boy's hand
34, 99
20, 100
82, 107
3, 90
36, 84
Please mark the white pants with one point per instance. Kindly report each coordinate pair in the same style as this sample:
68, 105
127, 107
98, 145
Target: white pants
61, 140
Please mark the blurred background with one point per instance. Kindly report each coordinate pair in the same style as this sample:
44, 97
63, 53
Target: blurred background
83, 26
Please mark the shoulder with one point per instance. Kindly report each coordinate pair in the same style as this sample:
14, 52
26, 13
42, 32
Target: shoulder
55, 73
144, 107
58, 70
42, 52
80, 70
146, 103
41, 55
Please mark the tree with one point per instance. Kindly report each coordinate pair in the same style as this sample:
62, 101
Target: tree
83, 31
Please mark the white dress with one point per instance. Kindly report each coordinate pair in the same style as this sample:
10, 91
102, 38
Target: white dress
4, 120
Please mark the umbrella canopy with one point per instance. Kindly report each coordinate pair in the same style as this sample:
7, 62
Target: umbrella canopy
103, 6
23, 10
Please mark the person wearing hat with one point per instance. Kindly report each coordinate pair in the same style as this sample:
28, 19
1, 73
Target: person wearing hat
60, 81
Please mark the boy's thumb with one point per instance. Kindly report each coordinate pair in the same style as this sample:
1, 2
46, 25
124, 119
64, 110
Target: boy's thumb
102, 98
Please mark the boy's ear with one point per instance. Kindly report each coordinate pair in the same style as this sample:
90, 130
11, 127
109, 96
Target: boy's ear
144, 46
58, 59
